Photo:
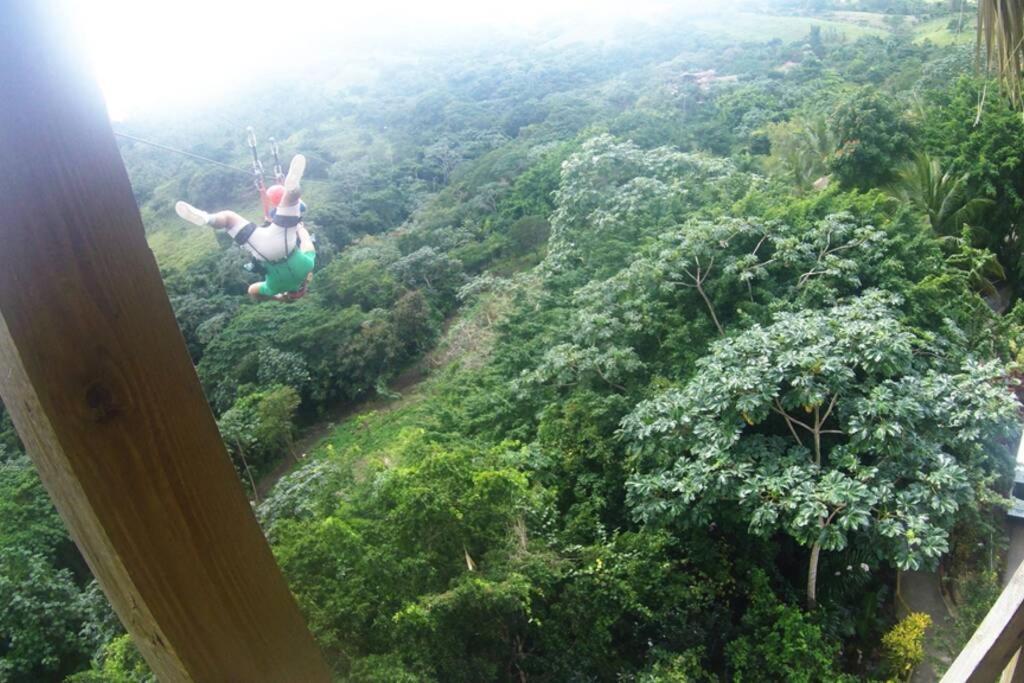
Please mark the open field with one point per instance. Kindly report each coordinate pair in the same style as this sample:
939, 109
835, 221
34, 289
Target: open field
938, 32
751, 26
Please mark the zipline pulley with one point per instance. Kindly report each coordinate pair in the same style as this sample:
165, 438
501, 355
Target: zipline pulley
278, 171
257, 172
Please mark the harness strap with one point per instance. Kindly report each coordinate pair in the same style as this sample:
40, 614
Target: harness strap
242, 238
243, 235
286, 221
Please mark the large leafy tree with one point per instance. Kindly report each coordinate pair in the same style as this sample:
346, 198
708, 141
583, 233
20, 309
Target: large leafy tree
824, 425
613, 195
874, 138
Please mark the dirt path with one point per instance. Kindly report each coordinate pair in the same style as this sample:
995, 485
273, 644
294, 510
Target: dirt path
465, 337
919, 592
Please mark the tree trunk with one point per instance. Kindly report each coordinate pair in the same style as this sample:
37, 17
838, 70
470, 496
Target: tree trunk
245, 463
812, 576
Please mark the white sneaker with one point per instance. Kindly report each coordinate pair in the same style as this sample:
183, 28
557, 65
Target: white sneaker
191, 213
295, 171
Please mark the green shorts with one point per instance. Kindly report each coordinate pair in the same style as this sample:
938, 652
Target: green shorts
289, 275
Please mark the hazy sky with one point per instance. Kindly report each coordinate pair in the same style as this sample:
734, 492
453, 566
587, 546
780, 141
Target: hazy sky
167, 53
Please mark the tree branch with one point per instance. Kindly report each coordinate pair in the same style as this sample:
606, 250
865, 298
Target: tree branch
789, 424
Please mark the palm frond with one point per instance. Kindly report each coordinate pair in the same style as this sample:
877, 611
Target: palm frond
940, 195
1001, 38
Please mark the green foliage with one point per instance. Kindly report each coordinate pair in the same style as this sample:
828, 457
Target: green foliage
532, 190
258, 428
982, 145
382, 669
411, 542
677, 668
439, 276
39, 617
42, 614
874, 138
800, 150
613, 195
814, 425
711, 370
216, 188
939, 195
366, 284
118, 662
781, 643
978, 591
27, 518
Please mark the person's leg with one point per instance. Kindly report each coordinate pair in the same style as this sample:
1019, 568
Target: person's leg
256, 292
225, 220
292, 191
228, 220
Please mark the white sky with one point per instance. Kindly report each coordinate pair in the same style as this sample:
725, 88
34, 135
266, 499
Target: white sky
164, 53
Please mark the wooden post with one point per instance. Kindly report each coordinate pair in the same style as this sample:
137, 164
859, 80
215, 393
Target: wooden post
97, 379
997, 638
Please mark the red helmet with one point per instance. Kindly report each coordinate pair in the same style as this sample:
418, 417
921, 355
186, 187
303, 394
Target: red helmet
275, 193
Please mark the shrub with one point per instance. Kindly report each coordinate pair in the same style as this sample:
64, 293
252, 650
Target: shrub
904, 644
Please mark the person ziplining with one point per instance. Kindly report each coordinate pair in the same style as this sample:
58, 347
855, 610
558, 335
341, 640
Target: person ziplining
283, 246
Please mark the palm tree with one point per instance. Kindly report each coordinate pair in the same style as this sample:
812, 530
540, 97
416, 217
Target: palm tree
800, 149
982, 268
1001, 32
939, 195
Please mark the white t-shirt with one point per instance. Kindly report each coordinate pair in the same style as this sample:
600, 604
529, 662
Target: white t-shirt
273, 242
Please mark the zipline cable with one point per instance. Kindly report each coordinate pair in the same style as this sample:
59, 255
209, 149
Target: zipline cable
200, 157
180, 151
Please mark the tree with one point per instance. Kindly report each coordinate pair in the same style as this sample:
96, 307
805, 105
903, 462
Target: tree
984, 146
258, 428
216, 187
822, 425
275, 414
873, 139
39, 617
613, 195
413, 322
940, 195
367, 284
436, 274
781, 643
282, 369
800, 150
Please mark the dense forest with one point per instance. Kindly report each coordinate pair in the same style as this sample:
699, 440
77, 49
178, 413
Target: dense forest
654, 356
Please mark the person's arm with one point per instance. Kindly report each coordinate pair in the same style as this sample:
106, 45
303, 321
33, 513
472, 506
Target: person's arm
305, 241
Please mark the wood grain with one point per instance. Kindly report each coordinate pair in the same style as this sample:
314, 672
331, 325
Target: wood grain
99, 384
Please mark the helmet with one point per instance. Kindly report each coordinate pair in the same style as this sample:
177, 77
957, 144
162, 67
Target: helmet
275, 193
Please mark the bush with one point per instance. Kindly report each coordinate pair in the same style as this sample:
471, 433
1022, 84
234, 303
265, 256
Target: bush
782, 643
366, 284
904, 644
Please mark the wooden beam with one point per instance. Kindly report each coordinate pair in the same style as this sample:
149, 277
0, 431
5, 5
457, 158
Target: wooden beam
99, 384
997, 639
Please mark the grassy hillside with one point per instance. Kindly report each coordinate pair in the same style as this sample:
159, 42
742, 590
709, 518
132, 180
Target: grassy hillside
752, 26
938, 31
